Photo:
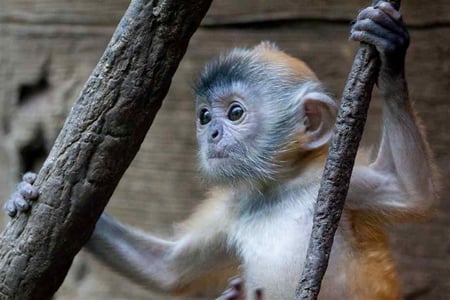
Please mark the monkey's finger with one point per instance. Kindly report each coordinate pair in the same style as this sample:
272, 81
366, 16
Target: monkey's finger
236, 283
382, 18
21, 203
28, 191
389, 9
382, 45
369, 26
10, 208
229, 294
373, 27
29, 177
258, 294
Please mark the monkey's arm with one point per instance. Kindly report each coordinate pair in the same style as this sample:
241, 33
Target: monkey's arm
401, 178
138, 256
173, 266
196, 261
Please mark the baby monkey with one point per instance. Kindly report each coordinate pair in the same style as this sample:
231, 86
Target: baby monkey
263, 126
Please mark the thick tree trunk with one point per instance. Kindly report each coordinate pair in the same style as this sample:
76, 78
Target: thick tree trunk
339, 166
97, 143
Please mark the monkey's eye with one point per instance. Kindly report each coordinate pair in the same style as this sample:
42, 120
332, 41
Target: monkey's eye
235, 112
205, 116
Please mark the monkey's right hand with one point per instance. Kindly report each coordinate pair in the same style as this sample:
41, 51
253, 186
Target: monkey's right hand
20, 200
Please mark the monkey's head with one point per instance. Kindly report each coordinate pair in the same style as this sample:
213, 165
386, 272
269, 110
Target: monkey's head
259, 112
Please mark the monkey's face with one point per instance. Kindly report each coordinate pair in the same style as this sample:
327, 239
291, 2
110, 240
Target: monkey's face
226, 128
257, 111
233, 132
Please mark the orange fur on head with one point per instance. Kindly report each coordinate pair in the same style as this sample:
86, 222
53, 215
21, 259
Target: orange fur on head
269, 52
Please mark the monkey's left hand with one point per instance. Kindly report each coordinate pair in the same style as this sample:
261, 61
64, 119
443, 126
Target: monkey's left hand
383, 27
20, 200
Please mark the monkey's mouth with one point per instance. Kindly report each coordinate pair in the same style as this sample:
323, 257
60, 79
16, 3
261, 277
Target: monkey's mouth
217, 154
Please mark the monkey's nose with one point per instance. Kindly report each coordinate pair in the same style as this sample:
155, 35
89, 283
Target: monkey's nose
215, 134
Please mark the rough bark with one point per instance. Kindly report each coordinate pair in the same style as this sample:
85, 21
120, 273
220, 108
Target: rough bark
339, 166
97, 143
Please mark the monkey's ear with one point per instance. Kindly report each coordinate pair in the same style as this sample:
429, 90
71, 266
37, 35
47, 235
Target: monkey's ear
320, 115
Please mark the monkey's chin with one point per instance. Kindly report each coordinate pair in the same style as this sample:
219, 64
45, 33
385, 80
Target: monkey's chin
220, 170
218, 164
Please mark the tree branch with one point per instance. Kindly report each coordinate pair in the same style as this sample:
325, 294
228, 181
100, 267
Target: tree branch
339, 166
101, 136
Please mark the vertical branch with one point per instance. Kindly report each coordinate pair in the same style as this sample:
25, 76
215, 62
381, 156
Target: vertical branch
338, 168
101, 136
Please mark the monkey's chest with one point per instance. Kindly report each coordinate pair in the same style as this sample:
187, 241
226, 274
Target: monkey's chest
272, 249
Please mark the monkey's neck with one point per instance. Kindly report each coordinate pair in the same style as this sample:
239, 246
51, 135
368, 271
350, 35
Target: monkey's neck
304, 170
250, 200
305, 166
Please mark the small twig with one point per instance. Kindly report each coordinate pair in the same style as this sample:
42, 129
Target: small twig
338, 169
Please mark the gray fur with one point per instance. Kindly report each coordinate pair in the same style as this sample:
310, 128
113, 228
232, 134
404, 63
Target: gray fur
272, 95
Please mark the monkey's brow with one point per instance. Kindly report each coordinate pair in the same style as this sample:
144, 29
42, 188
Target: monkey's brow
220, 96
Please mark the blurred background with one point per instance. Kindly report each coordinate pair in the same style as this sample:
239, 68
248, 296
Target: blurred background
49, 47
